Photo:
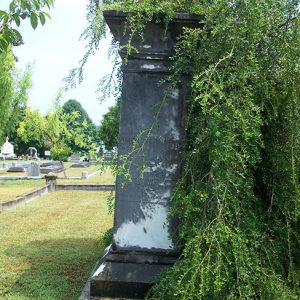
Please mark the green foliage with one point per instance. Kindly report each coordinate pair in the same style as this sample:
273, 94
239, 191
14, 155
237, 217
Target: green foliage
107, 237
51, 253
54, 131
20, 10
237, 201
60, 152
6, 89
14, 88
22, 86
109, 128
83, 121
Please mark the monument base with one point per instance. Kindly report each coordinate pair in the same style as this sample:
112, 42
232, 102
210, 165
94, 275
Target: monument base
122, 274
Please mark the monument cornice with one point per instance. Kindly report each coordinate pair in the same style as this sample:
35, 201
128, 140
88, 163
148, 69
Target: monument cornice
159, 37
179, 17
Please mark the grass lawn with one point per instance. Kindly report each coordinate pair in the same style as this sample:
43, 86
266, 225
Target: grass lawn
105, 177
13, 174
75, 172
49, 246
10, 189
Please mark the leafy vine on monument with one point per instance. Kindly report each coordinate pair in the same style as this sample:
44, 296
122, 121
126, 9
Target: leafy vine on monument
238, 198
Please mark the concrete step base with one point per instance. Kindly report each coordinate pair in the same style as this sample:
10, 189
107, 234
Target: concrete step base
127, 275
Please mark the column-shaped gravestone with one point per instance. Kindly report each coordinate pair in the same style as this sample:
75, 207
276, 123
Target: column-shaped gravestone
142, 244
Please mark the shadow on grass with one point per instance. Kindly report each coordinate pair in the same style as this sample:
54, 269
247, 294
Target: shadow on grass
55, 269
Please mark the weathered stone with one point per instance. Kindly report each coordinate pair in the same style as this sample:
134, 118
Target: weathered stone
75, 157
52, 167
82, 164
15, 168
141, 222
33, 170
32, 152
84, 175
51, 181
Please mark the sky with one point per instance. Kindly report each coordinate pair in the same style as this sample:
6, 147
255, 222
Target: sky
55, 49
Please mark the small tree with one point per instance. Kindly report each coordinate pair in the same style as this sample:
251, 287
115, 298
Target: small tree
109, 128
53, 131
82, 123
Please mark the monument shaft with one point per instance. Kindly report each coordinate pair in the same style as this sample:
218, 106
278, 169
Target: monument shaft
151, 131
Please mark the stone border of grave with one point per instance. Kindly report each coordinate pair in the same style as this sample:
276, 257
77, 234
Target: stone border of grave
20, 178
51, 186
26, 197
90, 187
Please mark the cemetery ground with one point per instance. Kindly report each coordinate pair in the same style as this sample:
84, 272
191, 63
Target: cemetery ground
10, 189
49, 245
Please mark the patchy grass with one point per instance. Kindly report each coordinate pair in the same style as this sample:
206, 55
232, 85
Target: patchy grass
49, 246
105, 177
75, 172
10, 189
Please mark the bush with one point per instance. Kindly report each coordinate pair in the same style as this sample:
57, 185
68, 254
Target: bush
60, 152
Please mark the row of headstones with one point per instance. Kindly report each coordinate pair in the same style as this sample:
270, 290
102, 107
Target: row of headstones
33, 169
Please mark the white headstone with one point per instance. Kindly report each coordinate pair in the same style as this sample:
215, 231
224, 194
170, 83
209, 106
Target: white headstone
7, 149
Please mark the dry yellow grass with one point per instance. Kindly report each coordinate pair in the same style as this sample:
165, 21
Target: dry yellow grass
49, 246
13, 174
10, 189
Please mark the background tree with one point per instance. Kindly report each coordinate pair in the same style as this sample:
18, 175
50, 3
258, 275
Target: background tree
6, 89
18, 105
53, 132
89, 128
14, 88
109, 128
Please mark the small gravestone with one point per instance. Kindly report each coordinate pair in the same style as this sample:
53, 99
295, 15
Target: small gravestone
75, 157
108, 155
33, 170
84, 175
32, 153
100, 150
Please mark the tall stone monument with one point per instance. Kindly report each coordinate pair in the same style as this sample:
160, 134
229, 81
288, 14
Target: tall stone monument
142, 243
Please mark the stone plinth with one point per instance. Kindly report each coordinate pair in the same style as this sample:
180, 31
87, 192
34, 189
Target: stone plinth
51, 181
142, 245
